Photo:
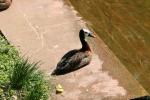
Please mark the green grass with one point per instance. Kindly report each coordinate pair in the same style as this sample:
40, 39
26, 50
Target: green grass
20, 78
21, 73
124, 25
37, 87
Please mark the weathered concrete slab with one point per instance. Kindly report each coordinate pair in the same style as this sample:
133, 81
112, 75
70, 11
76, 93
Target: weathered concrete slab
45, 30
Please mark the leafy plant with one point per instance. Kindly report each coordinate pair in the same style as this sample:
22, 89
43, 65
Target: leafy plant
37, 88
20, 79
21, 73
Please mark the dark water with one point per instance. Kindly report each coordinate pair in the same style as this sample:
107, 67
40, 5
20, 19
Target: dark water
124, 25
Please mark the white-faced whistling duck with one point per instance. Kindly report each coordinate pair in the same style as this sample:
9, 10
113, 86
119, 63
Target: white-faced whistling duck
75, 59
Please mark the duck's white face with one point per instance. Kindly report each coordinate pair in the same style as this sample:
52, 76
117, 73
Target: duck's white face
88, 33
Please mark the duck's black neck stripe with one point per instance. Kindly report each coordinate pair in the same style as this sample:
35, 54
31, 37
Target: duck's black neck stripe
85, 45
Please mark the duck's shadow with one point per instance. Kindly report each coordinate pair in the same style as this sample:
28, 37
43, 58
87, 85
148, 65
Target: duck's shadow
65, 72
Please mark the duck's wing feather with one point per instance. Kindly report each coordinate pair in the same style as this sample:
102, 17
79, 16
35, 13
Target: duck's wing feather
73, 60
69, 54
66, 59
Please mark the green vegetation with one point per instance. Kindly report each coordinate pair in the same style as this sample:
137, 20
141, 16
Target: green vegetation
124, 25
19, 78
22, 72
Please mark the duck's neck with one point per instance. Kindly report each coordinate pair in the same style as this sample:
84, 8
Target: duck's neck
85, 45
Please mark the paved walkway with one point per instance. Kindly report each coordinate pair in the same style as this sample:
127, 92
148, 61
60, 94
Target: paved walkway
45, 30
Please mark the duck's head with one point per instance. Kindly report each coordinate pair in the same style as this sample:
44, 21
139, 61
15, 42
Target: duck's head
86, 33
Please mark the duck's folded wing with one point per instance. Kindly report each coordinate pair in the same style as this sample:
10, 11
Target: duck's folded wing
70, 54
73, 62
65, 59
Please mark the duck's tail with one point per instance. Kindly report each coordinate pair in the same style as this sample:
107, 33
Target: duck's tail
54, 73
58, 72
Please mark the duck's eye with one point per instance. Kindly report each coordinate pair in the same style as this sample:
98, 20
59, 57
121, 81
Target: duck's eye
87, 34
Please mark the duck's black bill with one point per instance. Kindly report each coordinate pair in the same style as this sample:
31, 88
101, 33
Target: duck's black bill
92, 35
